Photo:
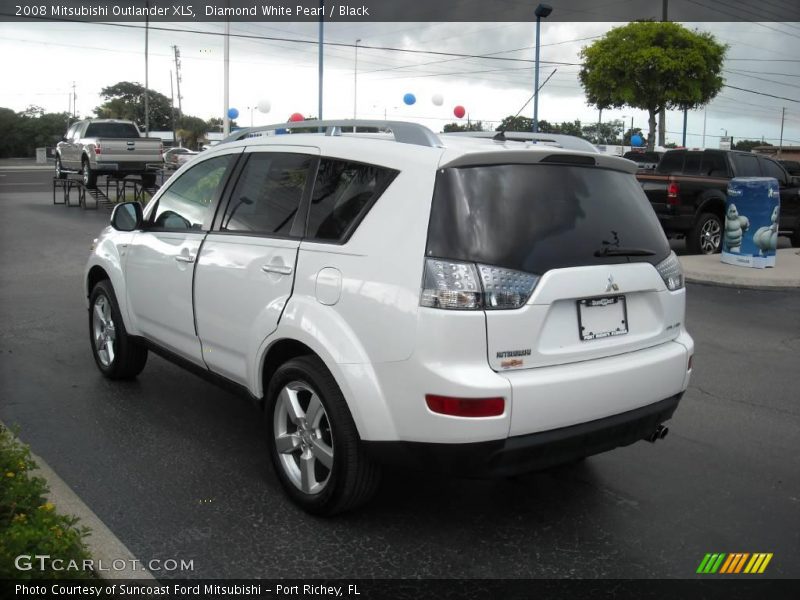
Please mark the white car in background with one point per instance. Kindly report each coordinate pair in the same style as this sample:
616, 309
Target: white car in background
473, 306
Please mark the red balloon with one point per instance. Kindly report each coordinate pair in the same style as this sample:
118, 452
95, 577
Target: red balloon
459, 111
296, 117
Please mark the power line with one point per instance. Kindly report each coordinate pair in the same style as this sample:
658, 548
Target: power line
733, 87
762, 78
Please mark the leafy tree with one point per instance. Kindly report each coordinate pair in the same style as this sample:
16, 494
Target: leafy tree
652, 65
626, 139
748, 145
604, 133
125, 100
191, 130
469, 126
516, 124
32, 128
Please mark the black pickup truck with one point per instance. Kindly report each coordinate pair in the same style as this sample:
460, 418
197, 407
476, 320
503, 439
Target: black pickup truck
688, 187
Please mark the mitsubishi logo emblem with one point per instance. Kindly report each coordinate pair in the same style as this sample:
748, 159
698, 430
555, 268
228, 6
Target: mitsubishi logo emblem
612, 287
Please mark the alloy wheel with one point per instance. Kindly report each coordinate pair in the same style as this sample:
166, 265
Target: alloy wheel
303, 437
104, 330
710, 236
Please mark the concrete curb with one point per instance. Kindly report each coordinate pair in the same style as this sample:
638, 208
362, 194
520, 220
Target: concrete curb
710, 270
103, 545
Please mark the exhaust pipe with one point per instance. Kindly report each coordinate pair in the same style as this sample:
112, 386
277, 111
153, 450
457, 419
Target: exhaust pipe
659, 433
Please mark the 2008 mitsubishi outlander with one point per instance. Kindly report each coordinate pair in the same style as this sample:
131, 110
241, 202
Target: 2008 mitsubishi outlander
476, 306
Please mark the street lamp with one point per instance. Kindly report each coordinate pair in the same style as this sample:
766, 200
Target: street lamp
355, 80
541, 12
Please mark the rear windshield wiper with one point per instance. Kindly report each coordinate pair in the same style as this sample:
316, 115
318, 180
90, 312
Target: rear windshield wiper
624, 252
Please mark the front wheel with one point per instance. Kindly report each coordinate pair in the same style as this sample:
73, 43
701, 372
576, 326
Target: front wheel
118, 356
313, 441
60, 174
706, 236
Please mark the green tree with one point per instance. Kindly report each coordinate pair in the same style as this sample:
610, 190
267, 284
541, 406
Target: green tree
748, 145
607, 133
191, 130
32, 128
511, 123
469, 126
125, 100
652, 65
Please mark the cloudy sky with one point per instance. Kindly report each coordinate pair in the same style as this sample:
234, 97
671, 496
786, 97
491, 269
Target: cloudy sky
48, 57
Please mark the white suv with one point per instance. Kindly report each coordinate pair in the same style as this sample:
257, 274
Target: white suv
475, 306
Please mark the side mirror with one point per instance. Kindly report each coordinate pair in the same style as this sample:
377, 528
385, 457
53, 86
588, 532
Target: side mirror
127, 216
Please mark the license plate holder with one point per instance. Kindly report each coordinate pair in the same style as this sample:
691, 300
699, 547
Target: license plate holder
602, 317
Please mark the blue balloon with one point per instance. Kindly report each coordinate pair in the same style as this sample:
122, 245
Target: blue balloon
637, 140
409, 99
233, 113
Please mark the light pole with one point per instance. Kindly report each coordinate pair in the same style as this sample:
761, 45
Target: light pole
355, 80
542, 11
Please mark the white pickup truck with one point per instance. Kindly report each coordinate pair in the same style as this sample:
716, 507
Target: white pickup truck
107, 147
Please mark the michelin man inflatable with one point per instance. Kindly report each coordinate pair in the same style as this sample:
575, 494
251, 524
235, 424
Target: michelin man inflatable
735, 226
766, 238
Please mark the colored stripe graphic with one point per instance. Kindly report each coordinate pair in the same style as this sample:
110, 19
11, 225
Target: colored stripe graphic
734, 563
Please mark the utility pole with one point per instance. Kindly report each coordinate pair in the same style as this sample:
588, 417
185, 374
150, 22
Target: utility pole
146, 72
704, 129
74, 100
321, 33
355, 81
780, 144
226, 122
172, 107
177, 52
662, 115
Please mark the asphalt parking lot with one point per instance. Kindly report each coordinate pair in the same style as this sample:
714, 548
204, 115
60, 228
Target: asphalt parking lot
177, 468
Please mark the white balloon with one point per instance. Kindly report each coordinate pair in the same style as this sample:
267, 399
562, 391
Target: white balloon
438, 99
264, 106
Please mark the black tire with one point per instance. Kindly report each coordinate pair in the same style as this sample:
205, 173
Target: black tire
60, 174
706, 235
89, 176
148, 180
129, 356
352, 478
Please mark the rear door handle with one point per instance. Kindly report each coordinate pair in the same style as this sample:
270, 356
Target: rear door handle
280, 269
184, 258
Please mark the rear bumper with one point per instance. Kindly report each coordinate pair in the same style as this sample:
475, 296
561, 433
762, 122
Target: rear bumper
126, 167
525, 453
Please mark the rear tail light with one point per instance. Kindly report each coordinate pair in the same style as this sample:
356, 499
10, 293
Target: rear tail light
465, 407
673, 193
98, 149
671, 272
466, 286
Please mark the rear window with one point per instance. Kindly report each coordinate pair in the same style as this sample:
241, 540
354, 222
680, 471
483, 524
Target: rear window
539, 217
746, 165
112, 130
671, 163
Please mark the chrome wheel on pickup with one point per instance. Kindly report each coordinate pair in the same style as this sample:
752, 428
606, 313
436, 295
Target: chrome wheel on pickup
59, 170
706, 236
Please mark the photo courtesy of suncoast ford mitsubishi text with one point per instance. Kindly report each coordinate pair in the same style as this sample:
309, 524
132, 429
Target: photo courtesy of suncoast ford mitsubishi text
473, 305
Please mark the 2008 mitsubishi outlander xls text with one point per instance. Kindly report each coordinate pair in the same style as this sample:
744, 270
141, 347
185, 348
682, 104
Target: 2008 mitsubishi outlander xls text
472, 305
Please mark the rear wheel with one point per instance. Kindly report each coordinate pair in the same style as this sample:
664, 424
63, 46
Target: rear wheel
795, 239
89, 176
118, 356
313, 441
706, 236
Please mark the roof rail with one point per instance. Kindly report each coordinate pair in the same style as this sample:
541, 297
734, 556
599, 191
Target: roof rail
404, 132
570, 142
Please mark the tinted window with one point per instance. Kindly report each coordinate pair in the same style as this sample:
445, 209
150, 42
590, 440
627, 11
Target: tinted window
746, 165
770, 168
714, 165
691, 165
188, 201
671, 163
112, 130
792, 166
343, 191
268, 193
539, 217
